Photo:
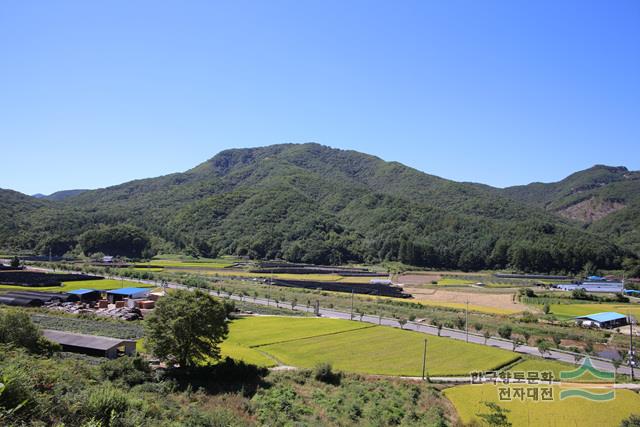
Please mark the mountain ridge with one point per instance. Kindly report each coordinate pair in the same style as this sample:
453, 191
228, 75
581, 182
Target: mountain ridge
312, 203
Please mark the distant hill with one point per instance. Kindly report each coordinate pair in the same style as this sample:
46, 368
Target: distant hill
312, 203
605, 199
58, 195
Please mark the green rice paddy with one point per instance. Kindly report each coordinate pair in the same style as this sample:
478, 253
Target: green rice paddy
357, 347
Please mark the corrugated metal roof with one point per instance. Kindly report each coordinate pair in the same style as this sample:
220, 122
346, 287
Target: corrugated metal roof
93, 342
605, 316
128, 291
81, 291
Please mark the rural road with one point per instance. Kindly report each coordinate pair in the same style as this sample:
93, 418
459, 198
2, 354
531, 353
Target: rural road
562, 356
598, 363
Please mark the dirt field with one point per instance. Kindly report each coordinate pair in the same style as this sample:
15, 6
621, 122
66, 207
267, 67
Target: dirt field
492, 300
417, 279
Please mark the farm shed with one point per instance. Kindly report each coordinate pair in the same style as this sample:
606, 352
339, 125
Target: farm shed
20, 301
605, 320
131, 293
86, 295
92, 345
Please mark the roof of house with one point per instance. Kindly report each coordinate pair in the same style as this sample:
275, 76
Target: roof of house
128, 291
81, 291
93, 342
606, 316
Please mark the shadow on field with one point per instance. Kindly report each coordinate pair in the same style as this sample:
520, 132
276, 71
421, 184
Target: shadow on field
225, 377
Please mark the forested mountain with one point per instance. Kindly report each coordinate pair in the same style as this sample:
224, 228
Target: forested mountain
311, 203
60, 195
605, 199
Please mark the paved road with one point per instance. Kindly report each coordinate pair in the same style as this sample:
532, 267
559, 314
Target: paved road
601, 364
563, 356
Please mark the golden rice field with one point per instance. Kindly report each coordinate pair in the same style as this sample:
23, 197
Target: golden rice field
467, 400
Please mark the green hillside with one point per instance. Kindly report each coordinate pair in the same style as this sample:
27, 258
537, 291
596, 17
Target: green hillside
311, 203
605, 199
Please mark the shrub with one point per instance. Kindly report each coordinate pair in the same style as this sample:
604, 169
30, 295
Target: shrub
528, 317
130, 370
16, 328
105, 402
505, 331
279, 405
324, 372
218, 417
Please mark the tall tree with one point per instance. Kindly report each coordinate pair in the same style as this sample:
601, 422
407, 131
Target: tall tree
186, 328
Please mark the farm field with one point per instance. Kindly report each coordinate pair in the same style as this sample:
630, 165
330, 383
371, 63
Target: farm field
455, 282
484, 302
468, 399
246, 354
282, 276
262, 330
354, 347
104, 284
180, 264
568, 311
472, 307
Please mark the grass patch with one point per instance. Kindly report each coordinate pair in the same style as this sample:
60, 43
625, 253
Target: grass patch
472, 307
468, 400
104, 284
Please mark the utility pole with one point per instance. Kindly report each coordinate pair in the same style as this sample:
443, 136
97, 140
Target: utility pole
466, 321
424, 361
632, 355
49, 253
351, 315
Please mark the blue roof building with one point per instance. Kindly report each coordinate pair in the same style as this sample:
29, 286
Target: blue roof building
132, 293
607, 319
81, 291
85, 295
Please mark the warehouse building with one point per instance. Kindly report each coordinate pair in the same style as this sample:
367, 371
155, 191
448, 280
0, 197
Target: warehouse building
91, 345
127, 293
604, 320
86, 295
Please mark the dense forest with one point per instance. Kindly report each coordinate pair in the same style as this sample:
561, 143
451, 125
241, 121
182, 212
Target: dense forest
311, 203
604, 199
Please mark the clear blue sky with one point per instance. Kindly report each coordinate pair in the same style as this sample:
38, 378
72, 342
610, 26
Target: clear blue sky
97, 93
